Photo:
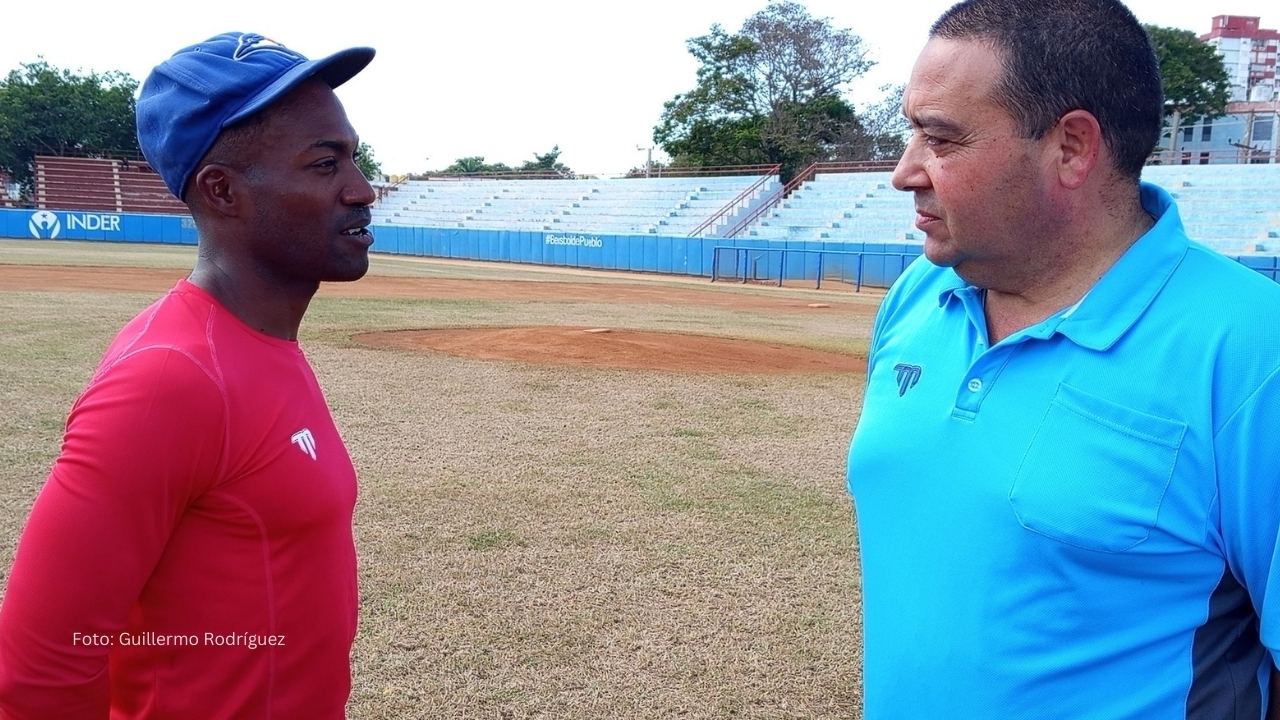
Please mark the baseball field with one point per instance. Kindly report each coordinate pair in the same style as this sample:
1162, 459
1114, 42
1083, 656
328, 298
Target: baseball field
583, 495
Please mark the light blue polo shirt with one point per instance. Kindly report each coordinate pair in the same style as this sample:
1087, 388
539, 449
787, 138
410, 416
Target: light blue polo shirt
1080, 521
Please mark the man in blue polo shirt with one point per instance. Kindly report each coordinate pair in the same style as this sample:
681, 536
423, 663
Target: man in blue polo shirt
1066, 473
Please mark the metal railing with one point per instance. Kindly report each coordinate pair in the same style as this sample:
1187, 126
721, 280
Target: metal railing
1191, 156
747, 269
772, 201
733, 204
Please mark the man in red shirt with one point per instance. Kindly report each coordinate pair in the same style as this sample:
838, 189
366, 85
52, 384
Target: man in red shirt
191, 554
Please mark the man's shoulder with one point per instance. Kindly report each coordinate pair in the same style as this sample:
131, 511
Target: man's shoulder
1228, 309
1231, 291
166, 336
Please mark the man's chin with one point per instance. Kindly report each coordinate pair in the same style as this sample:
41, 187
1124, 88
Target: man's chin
348, 274
939, 253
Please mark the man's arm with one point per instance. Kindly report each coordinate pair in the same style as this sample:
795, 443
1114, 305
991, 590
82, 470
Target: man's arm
138, 447
1248, 475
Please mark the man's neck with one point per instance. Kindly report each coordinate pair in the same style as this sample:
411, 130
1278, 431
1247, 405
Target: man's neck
268, 307
1065, 281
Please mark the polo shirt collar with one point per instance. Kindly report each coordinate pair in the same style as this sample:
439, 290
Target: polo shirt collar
1125, 291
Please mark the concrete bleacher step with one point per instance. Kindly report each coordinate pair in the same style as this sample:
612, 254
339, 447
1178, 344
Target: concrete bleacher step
852, 207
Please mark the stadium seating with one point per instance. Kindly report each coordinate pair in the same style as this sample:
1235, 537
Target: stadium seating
1231, 208
849, 207
105, 184
660, 206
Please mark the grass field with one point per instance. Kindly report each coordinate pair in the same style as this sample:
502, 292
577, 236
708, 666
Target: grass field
538, 541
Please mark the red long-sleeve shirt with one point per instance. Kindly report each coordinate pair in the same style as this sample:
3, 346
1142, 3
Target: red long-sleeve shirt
191, 554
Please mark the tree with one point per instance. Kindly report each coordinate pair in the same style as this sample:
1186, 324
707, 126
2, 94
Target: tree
771, 93
1195, 81
371, 168
550, 162
475, 164
884, 129
45, 110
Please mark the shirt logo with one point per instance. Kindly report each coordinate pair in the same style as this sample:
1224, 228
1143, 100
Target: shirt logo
305, 441
908, 376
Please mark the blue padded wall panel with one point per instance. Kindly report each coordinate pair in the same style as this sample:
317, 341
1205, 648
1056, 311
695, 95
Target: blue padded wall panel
619, 258
471, 240
152, 230
14, 225
414, 241
635, 254
490, 247
649, 258
503, 251
187, 233
572, 254
441, 240
523, 251
708, 253
679, 255
131, 226
384, 239
662, 259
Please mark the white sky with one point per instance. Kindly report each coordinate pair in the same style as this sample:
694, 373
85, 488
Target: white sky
502, 79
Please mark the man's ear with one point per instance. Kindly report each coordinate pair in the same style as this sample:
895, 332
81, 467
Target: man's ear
1078, 137
219, 188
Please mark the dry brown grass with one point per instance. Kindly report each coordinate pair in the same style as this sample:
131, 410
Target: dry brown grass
541, 542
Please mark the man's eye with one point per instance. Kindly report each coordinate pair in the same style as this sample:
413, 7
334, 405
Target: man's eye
933, 141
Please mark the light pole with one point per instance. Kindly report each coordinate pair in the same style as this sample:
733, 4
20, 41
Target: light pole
648, 159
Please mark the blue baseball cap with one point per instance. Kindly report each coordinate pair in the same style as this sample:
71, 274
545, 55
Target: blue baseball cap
190, 98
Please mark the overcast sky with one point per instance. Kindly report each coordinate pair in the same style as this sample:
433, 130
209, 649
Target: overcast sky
498, 79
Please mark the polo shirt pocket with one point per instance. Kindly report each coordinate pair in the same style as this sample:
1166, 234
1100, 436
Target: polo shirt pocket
1095, 472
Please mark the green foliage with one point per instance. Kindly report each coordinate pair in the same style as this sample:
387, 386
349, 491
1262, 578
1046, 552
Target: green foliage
48, 111
771, 93
371, 168
885, 130
1195, 80
475, 164
550, 162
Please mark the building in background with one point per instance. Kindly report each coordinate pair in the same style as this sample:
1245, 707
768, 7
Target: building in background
1247, 133
1249, 52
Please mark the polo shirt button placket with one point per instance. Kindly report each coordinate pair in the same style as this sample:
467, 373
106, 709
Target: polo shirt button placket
973, 389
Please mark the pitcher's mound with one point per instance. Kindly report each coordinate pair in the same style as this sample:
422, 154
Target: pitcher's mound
616, 348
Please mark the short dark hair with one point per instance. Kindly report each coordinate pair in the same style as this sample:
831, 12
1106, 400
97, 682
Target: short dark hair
1066, 55
234, 147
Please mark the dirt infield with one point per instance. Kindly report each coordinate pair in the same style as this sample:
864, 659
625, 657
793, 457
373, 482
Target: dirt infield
557, 345
605, 347
125, 279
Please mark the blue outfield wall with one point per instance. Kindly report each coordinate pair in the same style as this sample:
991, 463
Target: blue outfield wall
640, 253
97, 225
881, 264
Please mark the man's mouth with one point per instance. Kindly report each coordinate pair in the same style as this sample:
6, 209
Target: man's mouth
925, 220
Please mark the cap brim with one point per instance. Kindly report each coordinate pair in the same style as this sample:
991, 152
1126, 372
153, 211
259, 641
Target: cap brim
334, 70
